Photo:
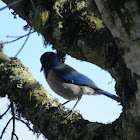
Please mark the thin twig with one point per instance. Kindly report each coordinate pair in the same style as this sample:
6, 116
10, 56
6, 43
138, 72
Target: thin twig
11, 4
10, 36
13, 114
5, 128
24, 123
5, 112
24, 43
18, 38
26, 34
26, 38
16, 136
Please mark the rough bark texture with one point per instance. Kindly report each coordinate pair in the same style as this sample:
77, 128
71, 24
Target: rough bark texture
38, 107
75, 27
123, 20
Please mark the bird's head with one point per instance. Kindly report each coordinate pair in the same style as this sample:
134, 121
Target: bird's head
49, 60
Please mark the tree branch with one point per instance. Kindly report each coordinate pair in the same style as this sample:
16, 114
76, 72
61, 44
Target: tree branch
17, 38
13, 114
5, 112
46, 113
5, 128
23, 43
11, 4
76, 28
27, 124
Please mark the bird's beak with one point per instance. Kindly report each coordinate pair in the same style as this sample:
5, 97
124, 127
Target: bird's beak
41, 69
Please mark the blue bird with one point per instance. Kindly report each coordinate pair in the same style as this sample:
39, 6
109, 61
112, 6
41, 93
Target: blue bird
67, 82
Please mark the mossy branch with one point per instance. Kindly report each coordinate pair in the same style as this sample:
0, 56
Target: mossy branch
72, 27
40, 108
76, 28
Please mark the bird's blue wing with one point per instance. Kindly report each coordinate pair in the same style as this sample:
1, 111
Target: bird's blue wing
70, 75
79, 79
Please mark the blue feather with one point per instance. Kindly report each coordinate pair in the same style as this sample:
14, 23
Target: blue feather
70, 75
109, 94
66, 74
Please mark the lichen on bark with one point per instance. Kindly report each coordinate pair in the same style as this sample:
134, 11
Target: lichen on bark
77, 28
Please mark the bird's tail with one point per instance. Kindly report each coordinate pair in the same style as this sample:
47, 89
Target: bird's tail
114, 97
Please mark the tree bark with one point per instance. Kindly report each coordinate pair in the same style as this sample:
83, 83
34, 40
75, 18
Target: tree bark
37, 106
77, 28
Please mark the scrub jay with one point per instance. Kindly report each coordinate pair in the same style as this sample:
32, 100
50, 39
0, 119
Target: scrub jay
67, 82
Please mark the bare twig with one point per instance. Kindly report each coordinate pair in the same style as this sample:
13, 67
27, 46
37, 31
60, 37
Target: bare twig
18, 38
24, 43
10, 36
27, 124
7, 42
5, 112
13, 114
5, 128
16, 136
11, 4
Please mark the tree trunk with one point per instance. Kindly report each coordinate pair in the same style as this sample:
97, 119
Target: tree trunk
77, 28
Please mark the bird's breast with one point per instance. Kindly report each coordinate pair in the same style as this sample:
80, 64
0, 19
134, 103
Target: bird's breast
68, 91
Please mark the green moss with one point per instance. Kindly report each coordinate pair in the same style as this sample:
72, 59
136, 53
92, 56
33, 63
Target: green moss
98, 22
39, 16
80, 5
